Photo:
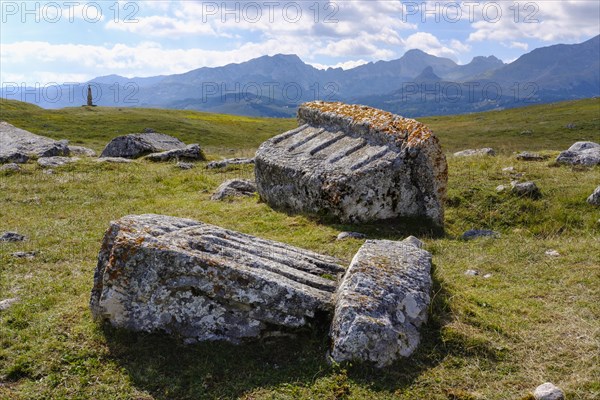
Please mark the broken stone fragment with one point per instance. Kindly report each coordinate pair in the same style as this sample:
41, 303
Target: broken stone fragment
354, 163
381, 303
202, 282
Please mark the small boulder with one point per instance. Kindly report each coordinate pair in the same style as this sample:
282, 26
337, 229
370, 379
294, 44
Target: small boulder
508, 169
350, 235
528, 156
185, 165
500, 188
594, 198
525, 189
548, 391
486, 151
471, 272
141, 144
381, 303
11, 237
228, 162
6, 303
82, 151
552, 253
234, 187
414, 241
11, 167
24, 254
191, 152
18, 145
53, 162
478, 233
581, 153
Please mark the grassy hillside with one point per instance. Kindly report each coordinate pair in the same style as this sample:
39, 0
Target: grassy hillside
529, 128
536, 319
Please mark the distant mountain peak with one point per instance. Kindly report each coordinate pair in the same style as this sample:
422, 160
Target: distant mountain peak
427, 75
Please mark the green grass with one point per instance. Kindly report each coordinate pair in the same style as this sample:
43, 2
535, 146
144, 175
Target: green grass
535, 319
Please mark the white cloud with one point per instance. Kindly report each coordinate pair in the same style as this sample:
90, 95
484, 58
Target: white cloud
432, 45
519, 45
343, 65
567, 20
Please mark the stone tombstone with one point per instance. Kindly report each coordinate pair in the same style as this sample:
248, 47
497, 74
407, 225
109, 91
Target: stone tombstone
354, 163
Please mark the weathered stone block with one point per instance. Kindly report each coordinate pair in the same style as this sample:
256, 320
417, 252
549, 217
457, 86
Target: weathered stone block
381, 302
18, 145
202, 282
355, 163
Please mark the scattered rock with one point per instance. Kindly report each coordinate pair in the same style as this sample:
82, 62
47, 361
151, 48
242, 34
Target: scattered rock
500, 188
118, 160
141, 144
185, 165
508, 169
19, 145
228, 162
350, 235
527, 156
478, 233
57, 161
486, 151
414, 241
48, 171
82, 151
471, 272
581, 153
487, 276
24, 254
594, 198
525, 189
6, 303
11, 237
571, 126
381, 302
201, 282
191, 152
355, 163
12, 167
234, 187
548, 391
552, 253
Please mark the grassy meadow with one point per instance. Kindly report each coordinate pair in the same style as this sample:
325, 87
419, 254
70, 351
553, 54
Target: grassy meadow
535, 319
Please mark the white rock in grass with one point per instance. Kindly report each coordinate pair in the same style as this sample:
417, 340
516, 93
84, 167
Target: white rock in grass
548, 391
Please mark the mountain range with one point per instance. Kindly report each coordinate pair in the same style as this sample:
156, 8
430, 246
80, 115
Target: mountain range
417, 84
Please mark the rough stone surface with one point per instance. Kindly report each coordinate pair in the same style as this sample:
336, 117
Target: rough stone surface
11, 237
185, 165
116, 160
12, 167
594, 198
486, 151
202, 282
82, 151
528, 156
191, 152
525, 189
581, 153
18, 145
57, 161
6, 303
141, 144
381, 303
234, 187
548, 391
414, 241
354, 163
552, 253
478, 233
350, 235
24, 254
228, 162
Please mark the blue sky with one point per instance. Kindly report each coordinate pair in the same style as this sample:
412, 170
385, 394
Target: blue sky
74, 41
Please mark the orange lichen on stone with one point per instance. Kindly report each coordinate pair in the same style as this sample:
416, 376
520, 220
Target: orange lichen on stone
413, 131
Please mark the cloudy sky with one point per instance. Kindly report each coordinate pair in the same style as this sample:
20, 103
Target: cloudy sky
73, 41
